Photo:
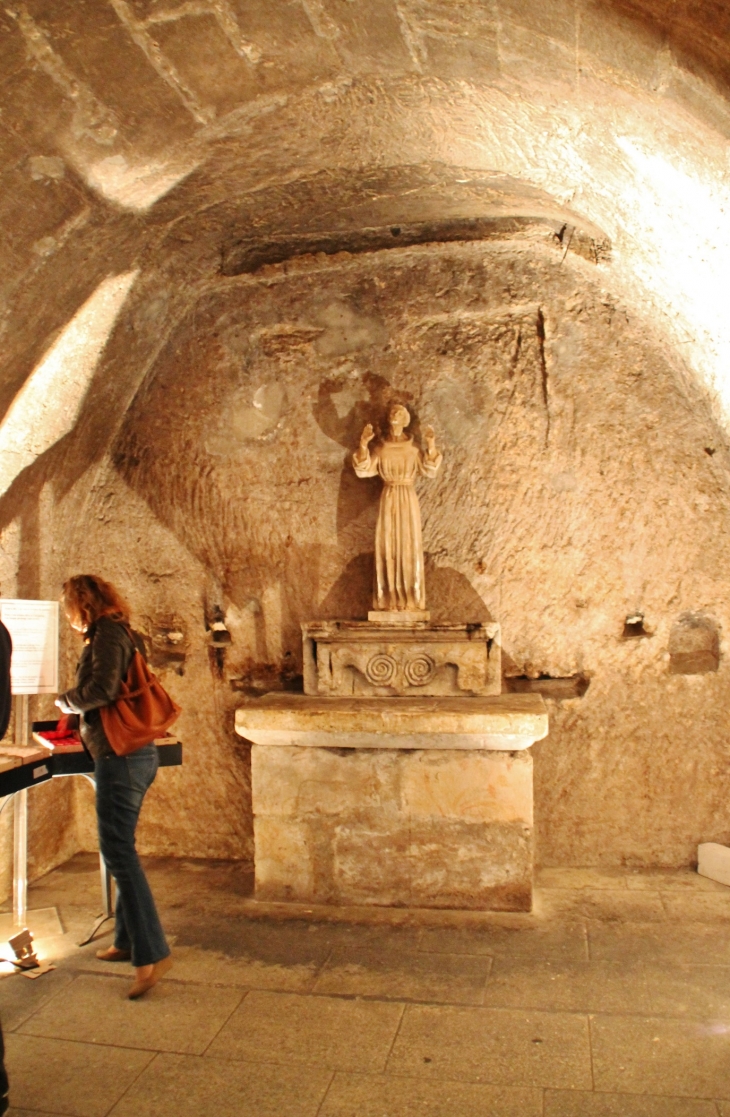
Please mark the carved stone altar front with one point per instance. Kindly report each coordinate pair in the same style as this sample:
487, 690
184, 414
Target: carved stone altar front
369, 657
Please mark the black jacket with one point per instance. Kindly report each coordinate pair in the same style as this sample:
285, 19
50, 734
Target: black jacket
100, 672
6, 651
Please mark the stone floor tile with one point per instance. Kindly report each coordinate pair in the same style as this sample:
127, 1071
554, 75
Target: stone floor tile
188, 1086
21, 996
321, 1031
193, 964
390, 940
539, 965
226, 930
78, 1079
75, 879
567, 941
672, 880
13, 1112
658, 942
567, 987
574, 1103
681, 990
448, 978
604, 904
172, 1017
657, 1055
366, 1095
43, 923
698, 907
452, 940
502, 1047
580, 878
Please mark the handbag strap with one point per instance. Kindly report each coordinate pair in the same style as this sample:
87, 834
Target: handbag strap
146, 685
131, 634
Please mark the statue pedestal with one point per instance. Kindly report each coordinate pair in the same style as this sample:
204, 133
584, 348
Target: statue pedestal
401, 802
388, 659
400, 617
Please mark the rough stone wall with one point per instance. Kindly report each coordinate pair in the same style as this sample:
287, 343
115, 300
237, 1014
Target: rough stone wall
584, 484
155, 138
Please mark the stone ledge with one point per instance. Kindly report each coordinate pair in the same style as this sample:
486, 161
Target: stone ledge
506, 722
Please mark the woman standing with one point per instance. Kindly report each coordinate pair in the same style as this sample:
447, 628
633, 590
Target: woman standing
96, 609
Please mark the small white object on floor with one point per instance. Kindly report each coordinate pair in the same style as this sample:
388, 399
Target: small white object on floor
40, 969
713, 861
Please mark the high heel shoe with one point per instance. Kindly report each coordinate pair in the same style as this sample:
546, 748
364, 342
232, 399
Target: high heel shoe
112, 954
142, 984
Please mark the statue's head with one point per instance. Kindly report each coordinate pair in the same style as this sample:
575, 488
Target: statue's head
398, 418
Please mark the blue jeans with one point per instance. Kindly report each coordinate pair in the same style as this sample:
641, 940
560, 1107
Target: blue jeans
121, 783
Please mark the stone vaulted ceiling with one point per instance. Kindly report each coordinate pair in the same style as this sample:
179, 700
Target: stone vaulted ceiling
150, 146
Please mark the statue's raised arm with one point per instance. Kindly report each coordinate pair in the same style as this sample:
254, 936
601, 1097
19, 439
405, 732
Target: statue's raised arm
399, 575
430, 459
364, 463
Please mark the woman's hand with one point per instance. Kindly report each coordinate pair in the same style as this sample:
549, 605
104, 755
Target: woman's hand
63, 707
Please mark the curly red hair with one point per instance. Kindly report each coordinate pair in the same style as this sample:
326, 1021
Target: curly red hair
87, 597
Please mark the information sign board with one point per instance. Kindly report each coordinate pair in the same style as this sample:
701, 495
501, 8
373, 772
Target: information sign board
33, 626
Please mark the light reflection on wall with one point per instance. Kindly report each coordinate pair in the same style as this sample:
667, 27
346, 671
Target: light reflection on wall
655, 182
47, 406
684, 215
135, 186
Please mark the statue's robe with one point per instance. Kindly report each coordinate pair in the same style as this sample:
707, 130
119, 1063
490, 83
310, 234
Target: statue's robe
399, 578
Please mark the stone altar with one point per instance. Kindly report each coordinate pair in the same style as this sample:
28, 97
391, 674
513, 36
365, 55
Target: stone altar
401, 776
408, 802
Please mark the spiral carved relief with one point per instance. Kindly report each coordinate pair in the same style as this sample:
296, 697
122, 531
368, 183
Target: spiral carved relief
381, 669
419, 669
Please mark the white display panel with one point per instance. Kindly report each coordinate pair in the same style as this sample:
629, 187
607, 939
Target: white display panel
33, 626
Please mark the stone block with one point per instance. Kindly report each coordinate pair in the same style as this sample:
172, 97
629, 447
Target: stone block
694, 645
284, 868
520, 48
471, 865
206, 59
294, 782
372, 865
713, 861
556, 20
377, 658
370, 32
469, 786
434, 864
422, 828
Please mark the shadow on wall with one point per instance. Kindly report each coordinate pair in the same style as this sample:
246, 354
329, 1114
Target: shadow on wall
450, 595
356, 495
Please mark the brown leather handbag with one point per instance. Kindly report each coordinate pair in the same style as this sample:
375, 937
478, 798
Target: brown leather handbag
142, 711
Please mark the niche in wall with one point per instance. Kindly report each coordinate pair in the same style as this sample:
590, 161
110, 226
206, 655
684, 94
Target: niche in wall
694, 645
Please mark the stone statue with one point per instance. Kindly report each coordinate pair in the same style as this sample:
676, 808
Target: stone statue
399, 576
